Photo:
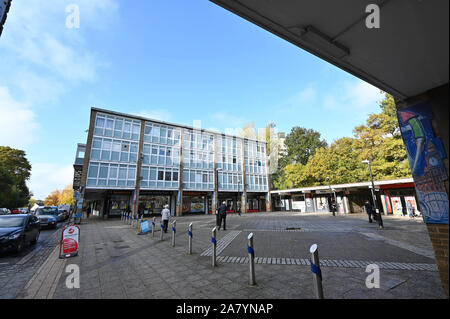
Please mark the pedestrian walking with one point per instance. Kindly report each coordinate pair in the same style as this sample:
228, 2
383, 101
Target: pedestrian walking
369, 209
333, 207
222, 216
165, 217
88, 211
410, 209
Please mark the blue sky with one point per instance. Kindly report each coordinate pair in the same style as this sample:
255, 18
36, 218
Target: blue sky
173, 60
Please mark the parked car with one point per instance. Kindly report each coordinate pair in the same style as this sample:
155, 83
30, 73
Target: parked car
18, 230
64, 212
4, 211
16, 211
48, 216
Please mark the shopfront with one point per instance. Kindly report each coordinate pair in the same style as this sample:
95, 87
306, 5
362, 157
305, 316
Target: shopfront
256, 203
118, 203
196, 203
298, 203
153, 203
398, 201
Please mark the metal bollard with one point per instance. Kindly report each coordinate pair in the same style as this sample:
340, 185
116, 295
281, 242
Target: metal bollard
214, 243
174, 230
162, 230
153, 227
317, 273
251, 259
190, 238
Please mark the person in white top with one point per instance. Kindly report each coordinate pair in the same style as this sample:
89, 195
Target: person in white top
165, 213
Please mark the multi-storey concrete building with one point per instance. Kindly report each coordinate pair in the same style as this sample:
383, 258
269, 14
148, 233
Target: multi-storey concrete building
141, 164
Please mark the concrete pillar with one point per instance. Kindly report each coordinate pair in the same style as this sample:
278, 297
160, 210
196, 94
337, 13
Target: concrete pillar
423, 120
268, 202
215, 194
179, 199
244, 205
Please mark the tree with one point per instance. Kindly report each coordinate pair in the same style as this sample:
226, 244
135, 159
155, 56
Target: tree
379, 140
301, 144
53, 198
14, 172
66, 195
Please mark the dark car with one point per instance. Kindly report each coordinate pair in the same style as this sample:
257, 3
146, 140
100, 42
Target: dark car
16, 231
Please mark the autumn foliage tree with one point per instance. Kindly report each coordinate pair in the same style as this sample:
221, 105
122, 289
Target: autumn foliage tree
58, 197
379, 141
53, 198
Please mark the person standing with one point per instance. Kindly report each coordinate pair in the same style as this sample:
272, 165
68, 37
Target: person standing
88, 211
223, 215
165, 217
369, 209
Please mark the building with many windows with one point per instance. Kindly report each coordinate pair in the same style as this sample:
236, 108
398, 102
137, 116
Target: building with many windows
136, 163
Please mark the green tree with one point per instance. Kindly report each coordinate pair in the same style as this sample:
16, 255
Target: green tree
14, 172
379, 140
301, 144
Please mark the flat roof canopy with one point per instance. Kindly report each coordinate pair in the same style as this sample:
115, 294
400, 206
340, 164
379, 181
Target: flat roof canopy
408, 55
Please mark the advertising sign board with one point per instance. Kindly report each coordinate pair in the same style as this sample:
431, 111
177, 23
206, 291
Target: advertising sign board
70, 238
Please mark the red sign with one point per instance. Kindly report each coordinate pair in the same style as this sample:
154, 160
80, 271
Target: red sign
70, 237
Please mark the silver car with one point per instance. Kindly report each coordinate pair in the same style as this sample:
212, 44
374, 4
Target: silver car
48, 216
4, 211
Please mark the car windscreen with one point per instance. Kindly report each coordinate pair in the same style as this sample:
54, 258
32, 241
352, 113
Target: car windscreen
6, 222
47, 211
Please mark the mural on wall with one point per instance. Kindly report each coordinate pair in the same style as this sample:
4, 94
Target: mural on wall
425, 154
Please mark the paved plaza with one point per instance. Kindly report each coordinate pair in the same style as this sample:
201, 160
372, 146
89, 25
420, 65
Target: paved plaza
115, 262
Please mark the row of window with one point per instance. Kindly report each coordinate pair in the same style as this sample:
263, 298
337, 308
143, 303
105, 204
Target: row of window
256, 182
117, 127
111, 175
161, 134
198, 140
230, 181
255, 166
198, 159
106, 149
159, 177
229, 145
198, 179
160, 155
254, 149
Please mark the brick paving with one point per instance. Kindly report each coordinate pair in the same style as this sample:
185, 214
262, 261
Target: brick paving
115, 262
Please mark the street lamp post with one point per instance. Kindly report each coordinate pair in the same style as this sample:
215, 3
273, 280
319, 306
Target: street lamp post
374, 197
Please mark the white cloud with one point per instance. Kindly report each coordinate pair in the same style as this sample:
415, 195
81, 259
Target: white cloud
348, 96
47, 177
18, 126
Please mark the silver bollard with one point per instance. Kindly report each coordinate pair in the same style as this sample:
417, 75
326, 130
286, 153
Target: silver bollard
251, 259
317, 273
174, 230
190, 238
153, 227
162, 230
214, 243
